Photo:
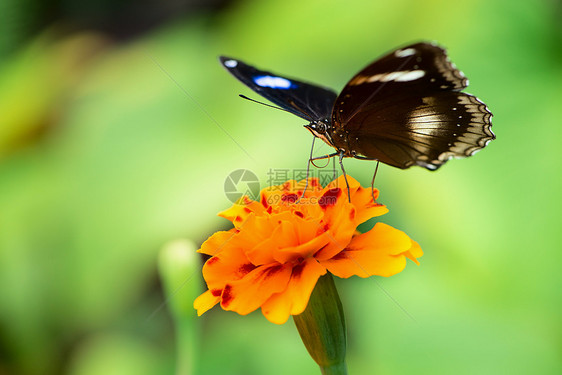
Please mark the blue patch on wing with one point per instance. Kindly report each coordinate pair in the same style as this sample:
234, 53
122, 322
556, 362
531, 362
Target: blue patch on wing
273, 82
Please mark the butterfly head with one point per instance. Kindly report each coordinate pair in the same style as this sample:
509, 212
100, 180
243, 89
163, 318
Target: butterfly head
322, 130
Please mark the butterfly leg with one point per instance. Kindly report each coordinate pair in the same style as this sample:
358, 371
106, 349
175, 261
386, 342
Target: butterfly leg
321, 158
374, 175
373, 183
311, 161
345, 175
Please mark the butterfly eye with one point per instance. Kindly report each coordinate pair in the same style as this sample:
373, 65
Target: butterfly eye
319, 127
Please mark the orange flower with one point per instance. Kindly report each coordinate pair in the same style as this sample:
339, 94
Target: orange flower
280, 246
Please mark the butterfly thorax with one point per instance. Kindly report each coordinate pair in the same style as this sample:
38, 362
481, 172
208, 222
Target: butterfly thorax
339, 136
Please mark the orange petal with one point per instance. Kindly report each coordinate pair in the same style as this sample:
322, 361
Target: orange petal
381, 251
294, 299
249, 293
239, 212
304, 250
340, 183
285, 233
273, 231
279, 195
414, 252
262, 253
307, 229
339, 222
256, 229
205, 302
362, 199
226, 267
218, 241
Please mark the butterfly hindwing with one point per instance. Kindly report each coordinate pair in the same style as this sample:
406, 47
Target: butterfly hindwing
425, 131
308, 101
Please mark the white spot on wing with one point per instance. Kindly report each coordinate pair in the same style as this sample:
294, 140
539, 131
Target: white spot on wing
230, 63
428, 166
273, 82
410, 76
398, 76
405, 52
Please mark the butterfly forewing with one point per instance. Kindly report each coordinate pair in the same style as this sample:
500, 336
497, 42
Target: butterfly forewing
308, 101
417, 68
406, 109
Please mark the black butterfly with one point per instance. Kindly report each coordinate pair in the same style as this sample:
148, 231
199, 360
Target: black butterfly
404, 109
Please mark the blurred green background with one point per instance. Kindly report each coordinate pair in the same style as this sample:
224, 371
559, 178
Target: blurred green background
116, 135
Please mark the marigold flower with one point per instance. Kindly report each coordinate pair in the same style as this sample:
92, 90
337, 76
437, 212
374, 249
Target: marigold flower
281, 245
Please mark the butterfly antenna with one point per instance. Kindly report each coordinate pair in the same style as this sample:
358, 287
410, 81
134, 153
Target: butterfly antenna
262, 103
373, 183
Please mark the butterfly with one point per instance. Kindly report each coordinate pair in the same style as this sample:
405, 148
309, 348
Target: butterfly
406, 108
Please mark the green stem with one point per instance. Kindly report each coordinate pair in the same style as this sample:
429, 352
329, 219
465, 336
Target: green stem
187, 335
177, 261
336, 369
322, 328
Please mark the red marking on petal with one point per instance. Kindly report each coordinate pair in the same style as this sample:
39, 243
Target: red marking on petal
319, 250
291, 198
322, 229
313, 182
352, 214
341, 255
226, 297
299, 214
216, 292
297, 270
272, 271
329, 198
246, 268
247, 210
247, 200
373, 204
264, 201
213, 260
269, 209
